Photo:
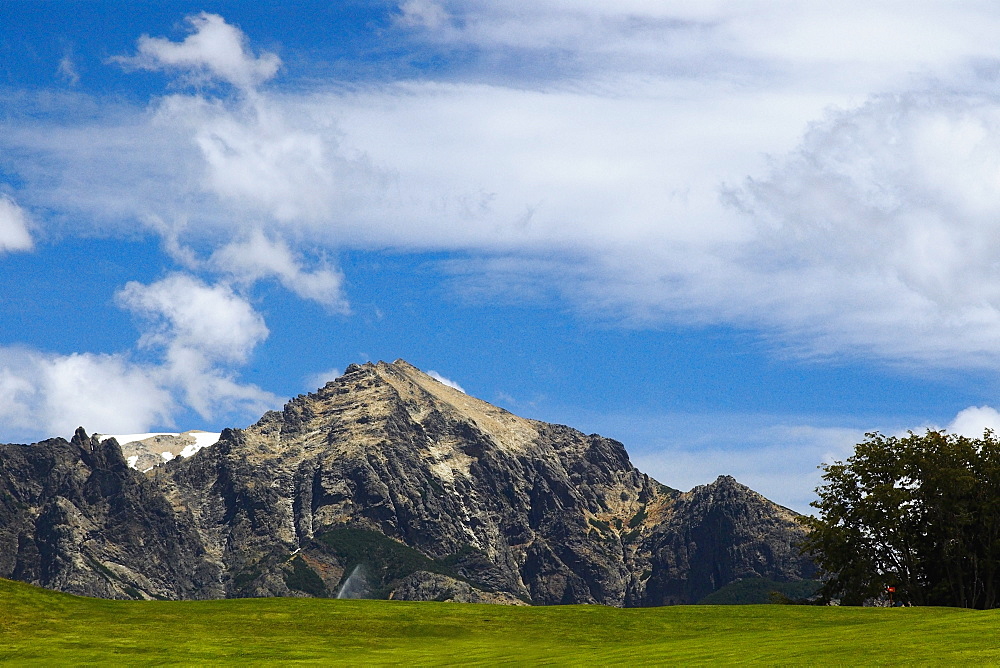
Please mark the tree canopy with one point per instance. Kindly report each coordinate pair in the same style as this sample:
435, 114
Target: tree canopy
920, 514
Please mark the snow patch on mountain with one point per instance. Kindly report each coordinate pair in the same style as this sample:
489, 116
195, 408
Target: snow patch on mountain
148, 450
202, 439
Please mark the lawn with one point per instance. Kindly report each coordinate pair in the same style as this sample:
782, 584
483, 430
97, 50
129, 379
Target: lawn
42, 627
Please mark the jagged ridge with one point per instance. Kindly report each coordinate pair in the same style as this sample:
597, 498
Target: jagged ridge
450, 496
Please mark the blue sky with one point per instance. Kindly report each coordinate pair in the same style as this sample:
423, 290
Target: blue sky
734, 236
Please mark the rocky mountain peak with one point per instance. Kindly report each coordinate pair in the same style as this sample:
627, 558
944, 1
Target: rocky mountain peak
370, 403
389, 472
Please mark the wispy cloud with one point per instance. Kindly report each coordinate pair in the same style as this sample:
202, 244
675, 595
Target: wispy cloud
693, 164
775, 455
422, 14
318, 380
853, 47
258, 257
67, 70
779, 456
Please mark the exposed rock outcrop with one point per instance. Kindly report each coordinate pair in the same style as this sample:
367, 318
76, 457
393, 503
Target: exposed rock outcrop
75, 517
433, 493
717, 534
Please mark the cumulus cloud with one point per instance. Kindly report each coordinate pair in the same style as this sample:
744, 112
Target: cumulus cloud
45, 395
14, 235
258, 257
441, 379
975, 420
186, 314
971, 422
197, 334
201, 331
215, 50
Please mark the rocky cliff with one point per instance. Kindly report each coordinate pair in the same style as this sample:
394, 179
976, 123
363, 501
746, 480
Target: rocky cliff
75, 517
384, 483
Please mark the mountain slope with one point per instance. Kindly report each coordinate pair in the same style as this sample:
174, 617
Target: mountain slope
75, 517
419, 491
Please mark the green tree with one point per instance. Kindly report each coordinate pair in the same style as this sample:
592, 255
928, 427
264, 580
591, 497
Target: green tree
920, 514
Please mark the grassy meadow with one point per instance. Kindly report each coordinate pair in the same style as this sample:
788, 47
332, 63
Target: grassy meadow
43, 627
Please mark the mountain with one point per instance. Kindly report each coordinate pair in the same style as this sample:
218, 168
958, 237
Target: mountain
384, 483
144, 451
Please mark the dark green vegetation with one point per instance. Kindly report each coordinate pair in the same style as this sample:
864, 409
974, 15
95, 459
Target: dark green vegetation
304, 579
383, 564
751, 591
385, 561
47, 628
919, 514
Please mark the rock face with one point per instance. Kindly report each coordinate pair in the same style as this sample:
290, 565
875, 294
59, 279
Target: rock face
388, 483
75, 517
717, 534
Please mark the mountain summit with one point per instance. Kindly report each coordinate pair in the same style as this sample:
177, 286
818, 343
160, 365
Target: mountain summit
383, 483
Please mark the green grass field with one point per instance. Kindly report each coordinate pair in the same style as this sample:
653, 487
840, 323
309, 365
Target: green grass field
42, 627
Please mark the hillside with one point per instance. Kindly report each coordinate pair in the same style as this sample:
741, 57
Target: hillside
417, 489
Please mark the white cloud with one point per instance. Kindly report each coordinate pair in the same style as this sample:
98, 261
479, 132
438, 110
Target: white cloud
101, 390
778, 456
202, 330
636, 182
888, 213
975, 420
853, 46
187, 314
213, 390
971, 422
258, 257
631, 176
48, 395
441, 379
213, 50
199, 333
784, 472
257, 157
14, 235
